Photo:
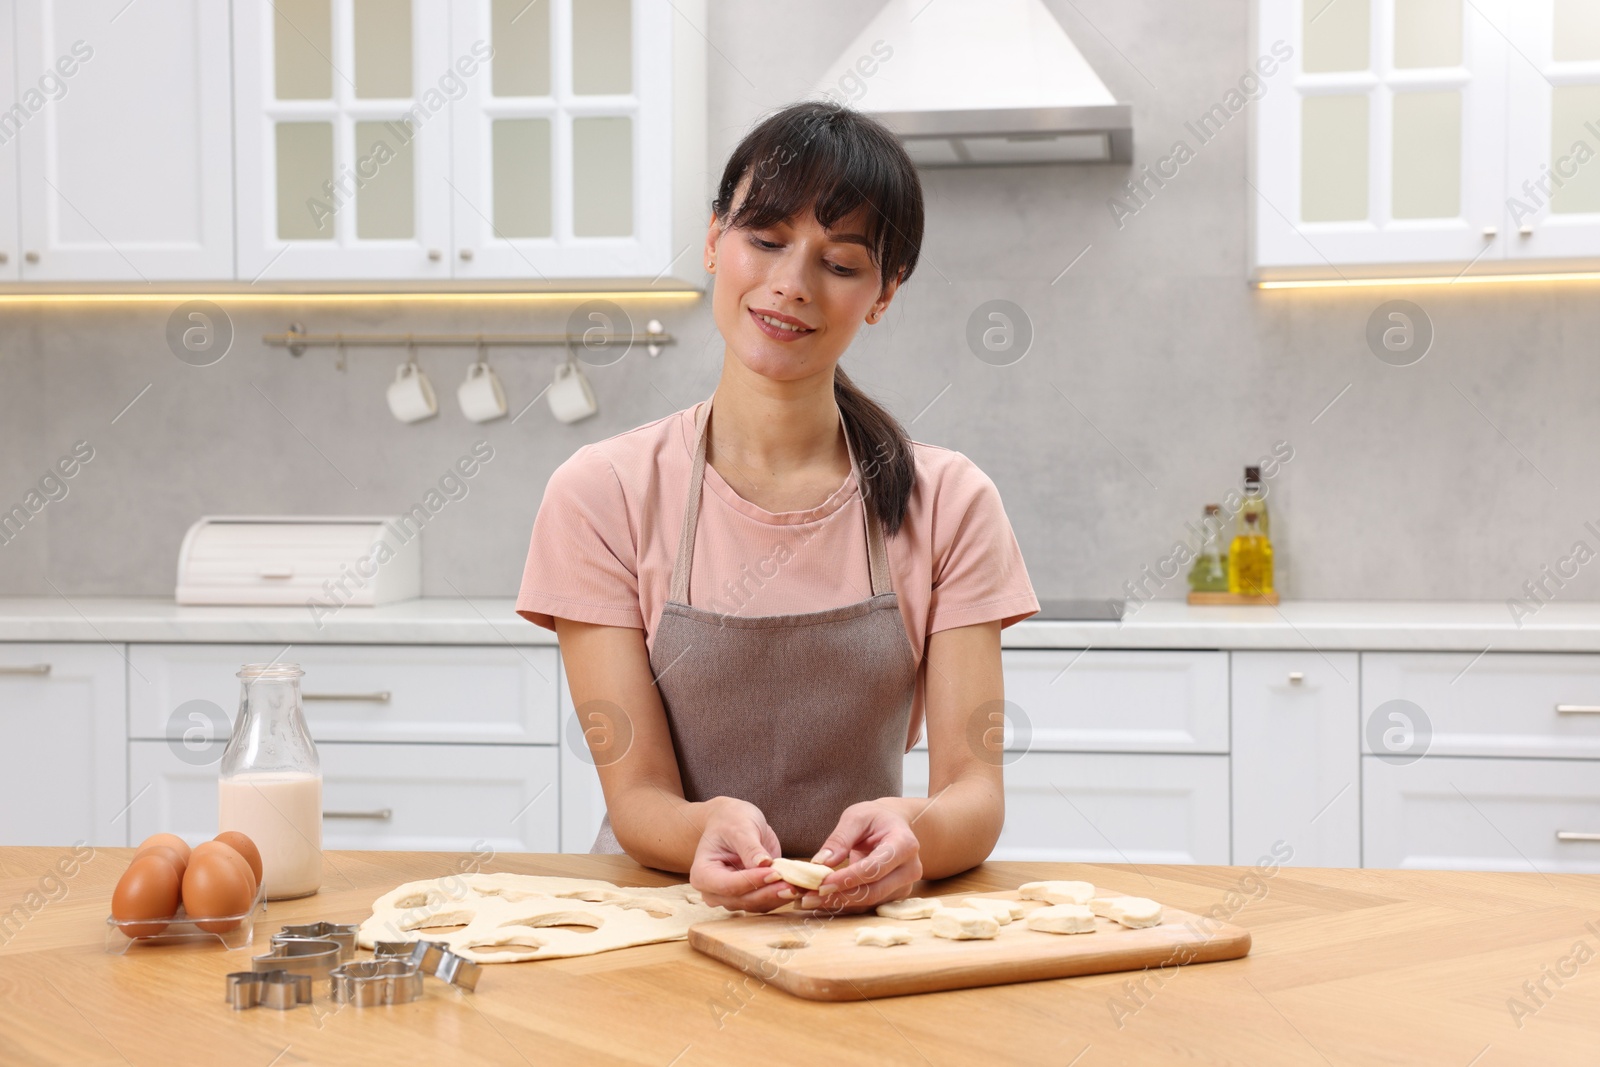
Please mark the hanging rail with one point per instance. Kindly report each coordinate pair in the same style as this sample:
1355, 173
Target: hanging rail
297, 340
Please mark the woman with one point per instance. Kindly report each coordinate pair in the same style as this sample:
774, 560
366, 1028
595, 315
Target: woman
760, 609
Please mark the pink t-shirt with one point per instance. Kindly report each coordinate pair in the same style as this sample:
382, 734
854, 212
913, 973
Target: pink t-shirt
606, 537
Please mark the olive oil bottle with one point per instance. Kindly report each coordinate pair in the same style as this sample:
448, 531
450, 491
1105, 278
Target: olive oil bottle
1210, 571
1250, 554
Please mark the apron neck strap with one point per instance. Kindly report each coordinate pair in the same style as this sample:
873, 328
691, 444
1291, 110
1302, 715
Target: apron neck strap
877, 552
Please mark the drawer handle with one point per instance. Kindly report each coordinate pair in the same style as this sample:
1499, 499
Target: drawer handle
1296, 677
1578, 709
38, 669
379, 815
1574, 835
277, 571
381, 697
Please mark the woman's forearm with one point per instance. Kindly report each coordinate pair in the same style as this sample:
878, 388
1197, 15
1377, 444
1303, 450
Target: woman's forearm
660, 829
956, 827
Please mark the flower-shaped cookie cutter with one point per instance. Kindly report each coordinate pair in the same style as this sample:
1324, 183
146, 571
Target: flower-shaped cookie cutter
366, 983
278, 989
433, 958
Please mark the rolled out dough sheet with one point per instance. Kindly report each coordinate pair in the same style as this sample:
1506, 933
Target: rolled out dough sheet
533, 917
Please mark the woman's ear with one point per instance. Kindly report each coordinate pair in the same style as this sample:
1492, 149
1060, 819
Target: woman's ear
713, 232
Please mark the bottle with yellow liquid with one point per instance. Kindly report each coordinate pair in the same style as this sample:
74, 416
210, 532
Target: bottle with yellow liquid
1250, 554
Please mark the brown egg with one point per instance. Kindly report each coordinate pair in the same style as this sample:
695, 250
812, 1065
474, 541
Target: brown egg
245, 847
219, 848
166, 852
218, 882
172, 841
148, 889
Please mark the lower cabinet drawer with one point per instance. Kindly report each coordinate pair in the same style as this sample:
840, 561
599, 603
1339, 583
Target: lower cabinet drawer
1108, 807
1482, 814
425, 798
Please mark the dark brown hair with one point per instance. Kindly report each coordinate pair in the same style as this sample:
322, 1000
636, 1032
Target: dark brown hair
822, 158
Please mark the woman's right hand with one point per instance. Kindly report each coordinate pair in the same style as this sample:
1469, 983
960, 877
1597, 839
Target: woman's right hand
731, 867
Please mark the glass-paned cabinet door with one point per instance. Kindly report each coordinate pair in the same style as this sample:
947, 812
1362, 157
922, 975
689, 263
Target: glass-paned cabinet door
564, 147
343, 114
1379, 134
1553, 175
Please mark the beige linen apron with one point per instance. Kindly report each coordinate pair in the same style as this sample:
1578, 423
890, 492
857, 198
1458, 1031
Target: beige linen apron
801, 715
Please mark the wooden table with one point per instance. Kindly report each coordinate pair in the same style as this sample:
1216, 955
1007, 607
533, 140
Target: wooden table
1348, 967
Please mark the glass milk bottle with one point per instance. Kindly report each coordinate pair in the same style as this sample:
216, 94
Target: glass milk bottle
270, 787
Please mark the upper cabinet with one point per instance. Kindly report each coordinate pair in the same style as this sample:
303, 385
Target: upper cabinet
416, 141
1380, 137
474, 140
118, 141
1553, 176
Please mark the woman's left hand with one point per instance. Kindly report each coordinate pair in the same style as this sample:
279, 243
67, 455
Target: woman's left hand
885, 860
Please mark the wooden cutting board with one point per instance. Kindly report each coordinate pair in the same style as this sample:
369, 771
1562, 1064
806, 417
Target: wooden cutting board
816, 956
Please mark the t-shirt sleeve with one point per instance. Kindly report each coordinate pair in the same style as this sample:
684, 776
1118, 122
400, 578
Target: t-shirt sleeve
978, 572
582, 562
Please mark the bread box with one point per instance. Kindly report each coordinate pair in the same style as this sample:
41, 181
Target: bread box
323, 563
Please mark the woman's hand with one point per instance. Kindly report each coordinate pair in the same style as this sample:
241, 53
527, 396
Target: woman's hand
731, 864
885, 860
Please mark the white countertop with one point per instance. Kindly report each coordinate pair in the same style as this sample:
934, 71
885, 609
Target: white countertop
1327, 625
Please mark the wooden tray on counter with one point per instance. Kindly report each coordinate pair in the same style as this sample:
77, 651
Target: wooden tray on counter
814, 956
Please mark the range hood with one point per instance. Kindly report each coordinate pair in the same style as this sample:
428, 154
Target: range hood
981, 82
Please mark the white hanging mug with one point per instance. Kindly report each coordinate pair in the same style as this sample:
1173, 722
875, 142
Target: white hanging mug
570, 395
410, 395
482, 397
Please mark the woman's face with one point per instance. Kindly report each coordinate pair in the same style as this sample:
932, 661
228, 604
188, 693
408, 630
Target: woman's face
801, 274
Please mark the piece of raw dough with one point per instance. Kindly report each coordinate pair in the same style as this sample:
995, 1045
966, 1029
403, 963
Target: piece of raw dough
800, 874
1062, 919
1002, 910
883, 936
1132, 912
1058, 892
964, 924
910, 908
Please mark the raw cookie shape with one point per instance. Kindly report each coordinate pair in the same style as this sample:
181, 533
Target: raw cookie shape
883, 936
1058, 892
1003, 911
533, 916
801, 874
964, 924
1062, 919
1132, 912
910, 908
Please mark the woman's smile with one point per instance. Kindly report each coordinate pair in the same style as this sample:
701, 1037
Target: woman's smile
780, 327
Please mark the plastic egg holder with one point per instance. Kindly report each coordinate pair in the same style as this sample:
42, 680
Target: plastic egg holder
181, 928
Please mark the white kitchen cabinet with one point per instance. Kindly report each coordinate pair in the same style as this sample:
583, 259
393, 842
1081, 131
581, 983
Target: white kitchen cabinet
124, 156
1296, 769
10, 250
474, 140
1497, 704
1106, 807
1445, 812
1117, 701
452, 694
428, 798
342, 116
583, 803
580, 150
1555, 138
63, 770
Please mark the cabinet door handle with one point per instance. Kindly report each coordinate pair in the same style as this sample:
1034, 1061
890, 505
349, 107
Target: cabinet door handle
4, 258
1574, 835
35, 669
434, 255
376, 815
381, 697
31, 257
1490, 232
466, 254
1578, 709
1296, 677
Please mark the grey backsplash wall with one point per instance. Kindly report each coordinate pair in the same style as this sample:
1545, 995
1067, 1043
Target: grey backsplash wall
1458, 477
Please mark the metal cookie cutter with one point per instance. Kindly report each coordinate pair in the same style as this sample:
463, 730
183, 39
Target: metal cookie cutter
433, 958
343, 933
311, 956
365, 983
273, 989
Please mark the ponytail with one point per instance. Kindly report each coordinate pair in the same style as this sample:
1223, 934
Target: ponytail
882, 450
